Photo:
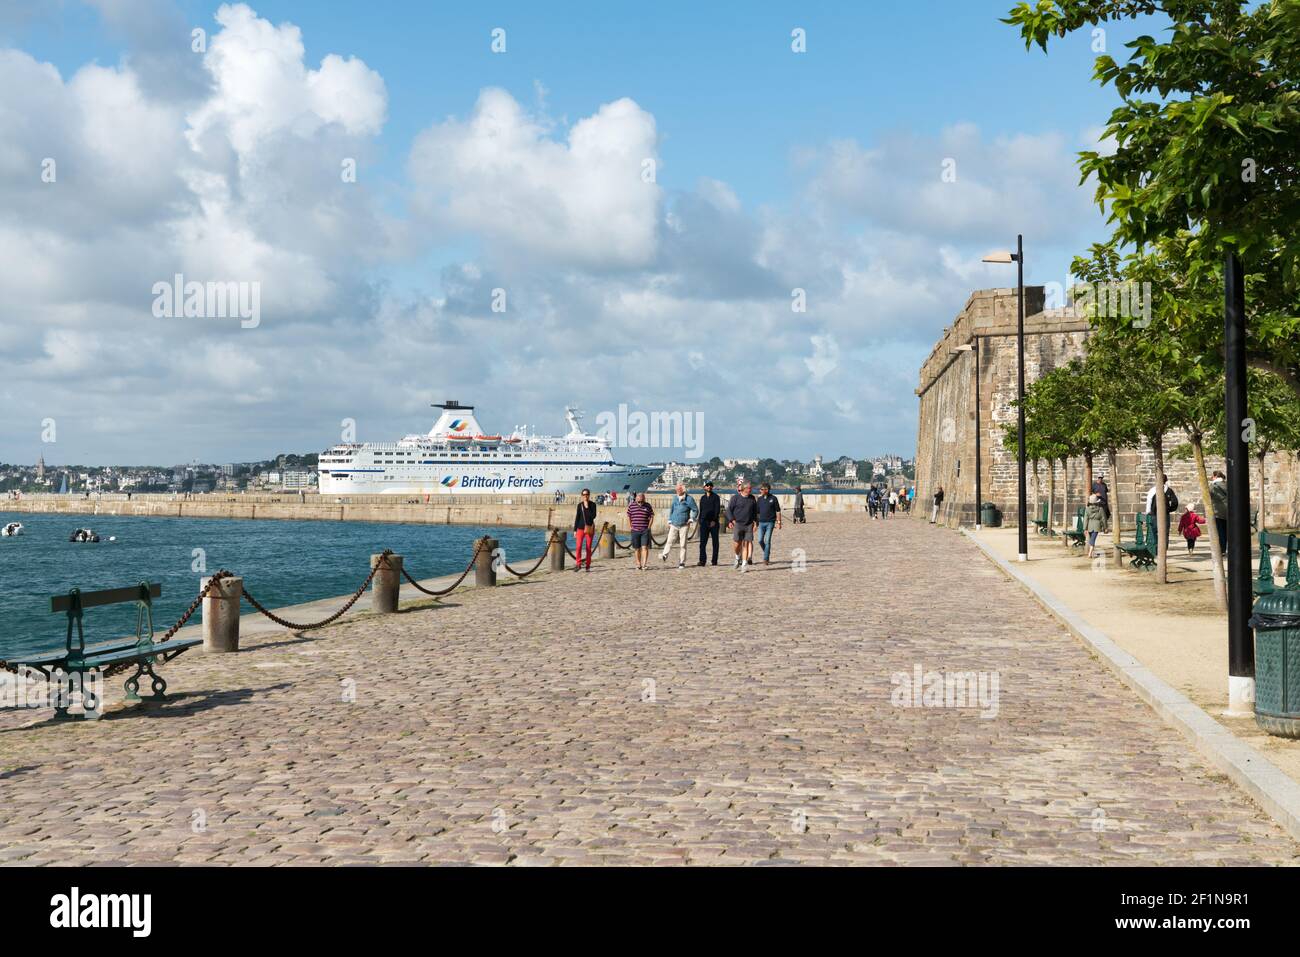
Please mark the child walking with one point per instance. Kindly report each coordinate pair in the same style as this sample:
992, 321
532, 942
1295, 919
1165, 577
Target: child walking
1189, 526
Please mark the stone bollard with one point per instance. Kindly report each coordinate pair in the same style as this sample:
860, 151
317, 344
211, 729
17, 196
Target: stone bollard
386, 585
556, 551
485, 576
607, 541
221, 615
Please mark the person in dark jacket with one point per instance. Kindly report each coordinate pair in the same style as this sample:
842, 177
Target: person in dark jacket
769, 517
1219, 499
938, 504
710, 515
800, 517
742, 516
584, 528
1102, 491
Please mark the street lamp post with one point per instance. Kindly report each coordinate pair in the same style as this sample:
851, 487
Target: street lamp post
1018, 257
1241, 646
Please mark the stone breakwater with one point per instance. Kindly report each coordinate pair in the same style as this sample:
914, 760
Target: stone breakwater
520, 511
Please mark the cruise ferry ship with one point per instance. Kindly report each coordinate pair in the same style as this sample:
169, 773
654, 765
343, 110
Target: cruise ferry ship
457, 457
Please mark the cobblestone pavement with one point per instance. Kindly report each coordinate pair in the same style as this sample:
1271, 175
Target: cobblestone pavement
702, 716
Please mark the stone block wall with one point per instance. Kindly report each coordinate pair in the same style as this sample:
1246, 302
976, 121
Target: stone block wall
984, 335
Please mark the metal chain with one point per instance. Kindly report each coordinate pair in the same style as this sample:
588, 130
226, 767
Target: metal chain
536, 566
478, 545
383, 561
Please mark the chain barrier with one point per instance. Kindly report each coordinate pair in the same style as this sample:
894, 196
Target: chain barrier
383, 561
543, 558
478, 545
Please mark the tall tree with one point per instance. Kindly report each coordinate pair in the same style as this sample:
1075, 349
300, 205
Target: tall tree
1207, 136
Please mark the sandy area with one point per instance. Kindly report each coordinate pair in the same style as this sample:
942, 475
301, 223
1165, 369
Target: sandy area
1176, 630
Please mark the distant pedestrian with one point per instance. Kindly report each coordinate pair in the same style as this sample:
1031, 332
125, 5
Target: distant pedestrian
938, 502
873, 502
584, 528
681, 516
800, 517
893, 501
639, 516
710, 516
1189, 526
1102, 491
1219, 499
1094, 521
742, 516
769, 518
1171, 506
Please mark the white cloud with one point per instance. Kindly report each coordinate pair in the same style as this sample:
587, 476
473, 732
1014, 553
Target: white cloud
501, 176
686, 295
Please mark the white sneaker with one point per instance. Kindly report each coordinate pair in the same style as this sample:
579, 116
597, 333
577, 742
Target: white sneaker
744, 567
681, 565
735, 563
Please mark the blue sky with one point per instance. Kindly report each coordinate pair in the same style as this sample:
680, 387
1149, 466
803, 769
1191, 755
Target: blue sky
774, 170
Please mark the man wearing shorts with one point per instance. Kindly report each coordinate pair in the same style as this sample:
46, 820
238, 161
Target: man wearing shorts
639, 517
742, 517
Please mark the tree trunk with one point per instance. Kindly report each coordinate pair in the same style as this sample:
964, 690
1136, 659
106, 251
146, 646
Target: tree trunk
1051, 492
1216, 550
1087, 476
1065, 492
1116, 530
1162, 514
1263, 505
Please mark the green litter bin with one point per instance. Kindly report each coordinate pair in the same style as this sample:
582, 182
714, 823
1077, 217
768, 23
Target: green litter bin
990, 515
1276, 621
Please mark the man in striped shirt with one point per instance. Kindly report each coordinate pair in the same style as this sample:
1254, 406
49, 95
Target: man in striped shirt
639, 517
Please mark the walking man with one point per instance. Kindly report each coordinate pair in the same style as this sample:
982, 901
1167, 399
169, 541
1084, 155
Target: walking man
639, 517
769, 517
1102, 491
681, 516
584, 529
742, 514
800, 517
710, 514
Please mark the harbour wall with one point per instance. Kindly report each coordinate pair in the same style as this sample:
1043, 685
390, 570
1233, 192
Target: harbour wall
529, 511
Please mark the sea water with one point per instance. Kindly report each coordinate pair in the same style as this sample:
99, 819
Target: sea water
281, 562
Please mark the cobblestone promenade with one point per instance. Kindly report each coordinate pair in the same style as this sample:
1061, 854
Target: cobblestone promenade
701, 717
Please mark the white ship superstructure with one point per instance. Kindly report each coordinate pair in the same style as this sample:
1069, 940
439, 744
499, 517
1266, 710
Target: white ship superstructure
457, 456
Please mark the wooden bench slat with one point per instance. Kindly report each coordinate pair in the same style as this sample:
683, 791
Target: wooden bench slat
108, 596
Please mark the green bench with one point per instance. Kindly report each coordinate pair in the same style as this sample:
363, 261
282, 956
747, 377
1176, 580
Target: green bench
1042, 522
1076, 536
1142, 550
1262, 584
78, 659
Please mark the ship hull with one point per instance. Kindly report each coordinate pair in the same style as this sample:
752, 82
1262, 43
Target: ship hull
467, 479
